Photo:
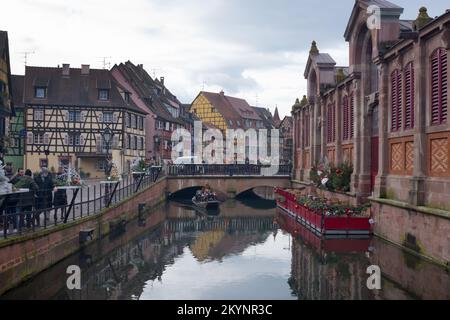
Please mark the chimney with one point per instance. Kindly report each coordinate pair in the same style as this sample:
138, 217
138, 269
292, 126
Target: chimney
66, 69
222, 93
85, 69
162, 80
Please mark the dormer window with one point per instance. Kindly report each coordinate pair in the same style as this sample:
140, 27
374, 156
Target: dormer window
40, 92
103, 94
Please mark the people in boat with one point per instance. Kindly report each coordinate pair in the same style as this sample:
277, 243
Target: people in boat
205, 194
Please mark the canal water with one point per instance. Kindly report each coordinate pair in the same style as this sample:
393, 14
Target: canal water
246, 250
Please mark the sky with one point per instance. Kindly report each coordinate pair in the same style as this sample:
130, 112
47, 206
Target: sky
253, 49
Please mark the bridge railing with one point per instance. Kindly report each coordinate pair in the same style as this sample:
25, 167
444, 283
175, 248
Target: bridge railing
222, 170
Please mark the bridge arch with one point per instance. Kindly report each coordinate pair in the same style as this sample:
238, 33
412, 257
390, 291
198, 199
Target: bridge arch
230, 186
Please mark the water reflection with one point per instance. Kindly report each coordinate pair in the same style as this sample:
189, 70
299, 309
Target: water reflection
246, 252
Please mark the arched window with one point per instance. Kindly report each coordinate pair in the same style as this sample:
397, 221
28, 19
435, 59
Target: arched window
396, 100
439, 86
409, 95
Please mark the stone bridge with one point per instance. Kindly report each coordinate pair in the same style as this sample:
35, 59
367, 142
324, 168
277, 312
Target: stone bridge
231, 186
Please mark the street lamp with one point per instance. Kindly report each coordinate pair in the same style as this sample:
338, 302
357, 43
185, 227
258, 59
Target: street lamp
107, 136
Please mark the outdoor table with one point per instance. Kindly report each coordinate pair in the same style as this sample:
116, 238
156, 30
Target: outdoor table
75, 189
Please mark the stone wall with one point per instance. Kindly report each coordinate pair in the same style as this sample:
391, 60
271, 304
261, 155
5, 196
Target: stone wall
24, 257
423, 230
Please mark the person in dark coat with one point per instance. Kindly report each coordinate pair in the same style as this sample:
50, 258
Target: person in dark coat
60, 200
26, 200
44, 199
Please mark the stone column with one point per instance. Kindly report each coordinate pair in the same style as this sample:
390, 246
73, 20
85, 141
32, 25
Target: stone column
323, 129
357, 94
300, 147
417, 188
365, 142
383, 128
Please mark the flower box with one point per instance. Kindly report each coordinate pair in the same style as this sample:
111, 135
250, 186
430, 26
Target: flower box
324, 218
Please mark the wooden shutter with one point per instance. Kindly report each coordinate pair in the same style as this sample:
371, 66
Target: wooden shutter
409, 96
66, 139
114, 118
115, 143
100, 117
329, 129
439, 90
46, 138
82, 116
82, 140
352, 116
396, 100
345, 122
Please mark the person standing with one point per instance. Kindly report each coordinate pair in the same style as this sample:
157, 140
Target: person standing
44, 200
26, 200
60, 200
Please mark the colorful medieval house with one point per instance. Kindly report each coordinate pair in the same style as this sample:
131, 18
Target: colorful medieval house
6, 93
162, 107
387, 114
224, 112
17, 132
79, 118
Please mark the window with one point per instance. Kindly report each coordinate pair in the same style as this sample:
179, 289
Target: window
439, 86
135, 143
352, 115
409, 96
141, 123
40, 92
127, 97
331, 123
167, 126
108, 117
40, 138
141, 143
128, 120
74, 116
100, 165
396, 101
74, 139
39, 115
128, 142
103, 94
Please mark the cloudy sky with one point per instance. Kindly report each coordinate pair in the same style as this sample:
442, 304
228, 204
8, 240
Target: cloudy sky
255, 49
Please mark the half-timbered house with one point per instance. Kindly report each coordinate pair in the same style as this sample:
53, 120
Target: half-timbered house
162, 107
80, 117
6, 103
16, 138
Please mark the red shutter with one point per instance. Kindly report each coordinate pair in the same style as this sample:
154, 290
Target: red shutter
345, 110
439, 90
329, 119
395, 102
399, 100
352, 116
409, 96
444, 84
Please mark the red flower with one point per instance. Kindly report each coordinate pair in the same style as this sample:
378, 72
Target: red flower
339, 171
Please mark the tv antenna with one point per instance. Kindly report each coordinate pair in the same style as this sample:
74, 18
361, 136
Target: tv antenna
25, 55
106, 63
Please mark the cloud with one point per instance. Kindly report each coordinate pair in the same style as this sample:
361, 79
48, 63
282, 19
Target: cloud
248, 48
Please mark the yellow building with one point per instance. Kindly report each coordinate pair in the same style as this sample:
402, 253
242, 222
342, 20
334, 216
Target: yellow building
6, 105
69, 115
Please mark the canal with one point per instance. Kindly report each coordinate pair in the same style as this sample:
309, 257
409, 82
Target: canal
248, 250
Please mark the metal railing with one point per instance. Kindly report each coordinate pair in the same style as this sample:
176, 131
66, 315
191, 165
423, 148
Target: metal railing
223, 170
27, 213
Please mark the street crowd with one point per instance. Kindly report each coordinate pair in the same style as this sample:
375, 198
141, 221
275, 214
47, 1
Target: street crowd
24, 210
